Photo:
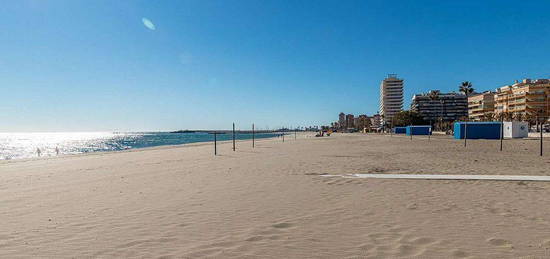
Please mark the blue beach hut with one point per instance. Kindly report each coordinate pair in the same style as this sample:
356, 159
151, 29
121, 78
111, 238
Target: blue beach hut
400, 130
477, 130
419, 130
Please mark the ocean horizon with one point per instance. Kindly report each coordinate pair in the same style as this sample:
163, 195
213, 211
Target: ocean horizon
21, 145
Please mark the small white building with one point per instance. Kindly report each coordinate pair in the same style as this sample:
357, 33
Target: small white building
516, 129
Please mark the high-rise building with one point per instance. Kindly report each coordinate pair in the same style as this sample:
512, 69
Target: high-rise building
526, 98
437, 106
391, 98
481, 106
342, 120
350, 122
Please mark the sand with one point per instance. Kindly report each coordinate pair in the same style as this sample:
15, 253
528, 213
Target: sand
272, 202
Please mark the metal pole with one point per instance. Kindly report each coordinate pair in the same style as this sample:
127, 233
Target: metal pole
294, 133
501, 131
252, 135
465, 132
411, 130
430, 132
215, 144
541, 139
283, 135
233, 136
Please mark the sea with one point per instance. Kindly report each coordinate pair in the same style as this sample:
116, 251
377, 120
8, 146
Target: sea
29, 145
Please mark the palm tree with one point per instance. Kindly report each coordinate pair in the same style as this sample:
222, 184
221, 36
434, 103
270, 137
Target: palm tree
434, 95
467, 89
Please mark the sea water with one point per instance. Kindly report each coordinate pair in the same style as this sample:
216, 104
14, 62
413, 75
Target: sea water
26, 145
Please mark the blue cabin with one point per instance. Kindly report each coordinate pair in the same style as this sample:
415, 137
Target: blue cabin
419, 130
400, 130
477, 130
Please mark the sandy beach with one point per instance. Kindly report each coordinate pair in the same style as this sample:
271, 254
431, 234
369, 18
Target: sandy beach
273, 202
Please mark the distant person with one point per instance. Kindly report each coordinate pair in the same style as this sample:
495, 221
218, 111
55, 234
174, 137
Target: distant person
56, 151
38, 152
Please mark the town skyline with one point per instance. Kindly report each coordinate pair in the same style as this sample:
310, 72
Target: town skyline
523, 100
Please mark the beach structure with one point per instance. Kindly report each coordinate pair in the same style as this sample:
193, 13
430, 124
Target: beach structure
477, 130
481, 106
516, 129
437, 106
391, 98
400, 130
419, 130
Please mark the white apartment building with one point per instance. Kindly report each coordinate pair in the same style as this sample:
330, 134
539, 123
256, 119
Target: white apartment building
391, 98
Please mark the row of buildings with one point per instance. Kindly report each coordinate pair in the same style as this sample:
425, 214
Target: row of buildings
349, 122
523, 100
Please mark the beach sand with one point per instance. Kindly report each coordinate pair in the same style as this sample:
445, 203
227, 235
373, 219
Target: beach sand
272, 202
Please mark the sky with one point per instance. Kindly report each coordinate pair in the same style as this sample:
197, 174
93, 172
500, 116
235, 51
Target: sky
132, 65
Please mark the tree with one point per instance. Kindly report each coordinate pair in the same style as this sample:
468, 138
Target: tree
466, 88
488, 117
518, 116
434, 95
405, 118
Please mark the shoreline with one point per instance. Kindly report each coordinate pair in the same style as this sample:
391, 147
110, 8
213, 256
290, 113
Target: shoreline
160, 147
6, 161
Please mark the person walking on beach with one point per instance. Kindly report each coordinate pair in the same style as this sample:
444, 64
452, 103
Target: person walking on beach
38, 152
57, 151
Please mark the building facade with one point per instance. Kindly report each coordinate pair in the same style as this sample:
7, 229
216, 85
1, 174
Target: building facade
436, 106
350, 121
375, 122
391, 98
342, 121
481, 106
527, 98
362, 122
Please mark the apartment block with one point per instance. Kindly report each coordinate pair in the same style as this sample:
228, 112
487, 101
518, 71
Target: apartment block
391, 98
481, 106
437, 106
527, 98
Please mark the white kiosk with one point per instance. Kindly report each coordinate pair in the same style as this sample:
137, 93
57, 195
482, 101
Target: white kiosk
516, 129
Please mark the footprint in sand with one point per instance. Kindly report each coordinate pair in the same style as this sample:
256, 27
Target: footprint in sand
282, 225
459, 254
422, 241
499, 242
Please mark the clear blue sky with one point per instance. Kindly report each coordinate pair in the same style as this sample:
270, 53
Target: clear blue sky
93, 65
